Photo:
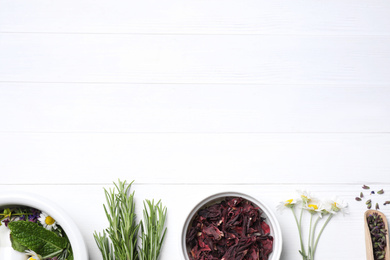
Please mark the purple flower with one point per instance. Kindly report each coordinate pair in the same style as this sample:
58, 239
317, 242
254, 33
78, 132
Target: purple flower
6, 221
34, 216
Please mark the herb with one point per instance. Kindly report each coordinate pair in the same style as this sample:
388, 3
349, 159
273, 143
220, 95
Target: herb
369, 202
119, 240
316, 208
37, 238
36, 233
231, 229
152, 229
378, 235
123, 229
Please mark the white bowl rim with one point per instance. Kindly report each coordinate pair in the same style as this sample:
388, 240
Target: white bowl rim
268, 214
45, 205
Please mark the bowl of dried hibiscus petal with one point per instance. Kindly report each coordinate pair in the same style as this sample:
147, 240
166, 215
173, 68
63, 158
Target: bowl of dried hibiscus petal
231, 225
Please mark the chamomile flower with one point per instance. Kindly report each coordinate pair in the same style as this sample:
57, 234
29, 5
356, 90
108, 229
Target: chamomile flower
32, 255
290, 203
305, 196
314, 207
338, 205
47, 221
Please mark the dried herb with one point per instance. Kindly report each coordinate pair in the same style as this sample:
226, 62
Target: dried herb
229, 230
380, 191
378, 235
365, 187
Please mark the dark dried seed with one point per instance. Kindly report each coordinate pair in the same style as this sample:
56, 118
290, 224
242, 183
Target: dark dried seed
366, 187
368, 202
361, 195
386, 202
377, 206
358, 199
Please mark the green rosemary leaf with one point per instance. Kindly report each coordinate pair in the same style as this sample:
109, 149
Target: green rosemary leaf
153, 231
119, 240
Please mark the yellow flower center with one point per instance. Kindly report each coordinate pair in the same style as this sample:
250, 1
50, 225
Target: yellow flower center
313, 206
49, 220
288, 202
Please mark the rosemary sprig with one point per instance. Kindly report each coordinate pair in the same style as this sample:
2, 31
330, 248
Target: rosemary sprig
123, 229
152, 229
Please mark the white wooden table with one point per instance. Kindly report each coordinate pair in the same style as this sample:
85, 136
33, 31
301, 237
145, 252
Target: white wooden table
190, 98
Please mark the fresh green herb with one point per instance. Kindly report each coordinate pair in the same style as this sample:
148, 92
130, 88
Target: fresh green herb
152, 230
35, 237
36, 233
123, 229
119, 240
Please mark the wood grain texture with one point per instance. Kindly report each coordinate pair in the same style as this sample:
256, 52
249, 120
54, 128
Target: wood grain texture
201, 108
348, 17
219, 59
191, 98
194, 158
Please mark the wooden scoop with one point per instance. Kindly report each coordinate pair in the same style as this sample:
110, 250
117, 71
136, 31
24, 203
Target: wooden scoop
369, 248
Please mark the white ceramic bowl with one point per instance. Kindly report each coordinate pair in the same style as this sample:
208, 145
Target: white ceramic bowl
31, 200
267, 214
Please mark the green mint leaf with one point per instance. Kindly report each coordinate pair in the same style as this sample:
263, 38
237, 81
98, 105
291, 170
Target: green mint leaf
38, 239
16, 245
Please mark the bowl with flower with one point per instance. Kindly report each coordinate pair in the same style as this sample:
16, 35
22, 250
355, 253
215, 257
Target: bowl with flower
231, 225
35, 228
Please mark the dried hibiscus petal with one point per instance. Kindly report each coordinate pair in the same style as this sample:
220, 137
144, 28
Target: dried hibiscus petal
230, 230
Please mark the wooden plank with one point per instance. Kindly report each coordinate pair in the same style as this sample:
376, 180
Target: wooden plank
37, 107
194, 158
349, 228
195, 59
348, 17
